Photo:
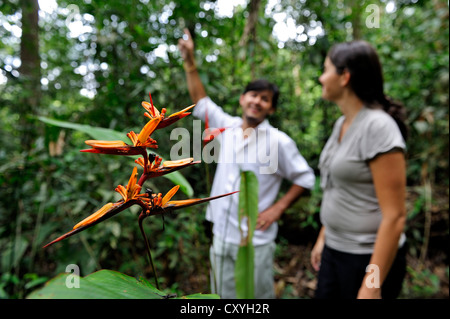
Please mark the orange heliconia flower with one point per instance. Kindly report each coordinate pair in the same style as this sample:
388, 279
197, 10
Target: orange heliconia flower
144, 139
152, 204
155, 168
210, 134
176, 204
112, 148
160, 205
158, 202
97, 215
152, 112
132, 190
140, 142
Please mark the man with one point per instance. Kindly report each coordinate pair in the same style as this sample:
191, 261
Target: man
249, 143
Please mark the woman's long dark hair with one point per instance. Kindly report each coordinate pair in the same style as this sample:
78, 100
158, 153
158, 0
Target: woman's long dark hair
361, 60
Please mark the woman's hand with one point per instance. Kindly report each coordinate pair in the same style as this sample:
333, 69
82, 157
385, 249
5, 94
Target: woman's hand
316, 252
368, 293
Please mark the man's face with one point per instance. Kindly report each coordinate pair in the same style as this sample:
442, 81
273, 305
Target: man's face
256, 105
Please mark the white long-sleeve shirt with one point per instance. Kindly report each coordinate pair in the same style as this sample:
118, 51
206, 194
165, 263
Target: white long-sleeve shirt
269, 153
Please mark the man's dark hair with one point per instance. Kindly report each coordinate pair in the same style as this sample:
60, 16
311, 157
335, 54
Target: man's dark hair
261, 85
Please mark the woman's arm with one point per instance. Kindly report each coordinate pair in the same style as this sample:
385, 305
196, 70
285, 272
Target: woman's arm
389, 177
316, 253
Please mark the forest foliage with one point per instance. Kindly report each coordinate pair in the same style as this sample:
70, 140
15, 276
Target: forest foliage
93, 62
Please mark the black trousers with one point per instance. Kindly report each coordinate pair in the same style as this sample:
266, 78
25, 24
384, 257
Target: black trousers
341, 275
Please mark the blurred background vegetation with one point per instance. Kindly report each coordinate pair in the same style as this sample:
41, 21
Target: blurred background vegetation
94, 61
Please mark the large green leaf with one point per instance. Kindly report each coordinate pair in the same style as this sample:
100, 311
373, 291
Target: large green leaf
100, 133
103, 284
248, 211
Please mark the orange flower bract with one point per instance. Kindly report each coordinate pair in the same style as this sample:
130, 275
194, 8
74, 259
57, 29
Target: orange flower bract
152, 113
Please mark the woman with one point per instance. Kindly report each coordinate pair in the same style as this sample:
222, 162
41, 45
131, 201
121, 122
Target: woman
360, 251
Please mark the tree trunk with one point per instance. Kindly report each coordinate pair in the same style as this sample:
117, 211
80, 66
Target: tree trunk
249, 34
30, 70
250, 27
356, 19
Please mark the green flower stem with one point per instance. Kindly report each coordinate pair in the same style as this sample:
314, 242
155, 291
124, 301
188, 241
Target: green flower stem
147, 245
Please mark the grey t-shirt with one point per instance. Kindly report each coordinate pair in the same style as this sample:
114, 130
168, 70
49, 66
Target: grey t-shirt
350, 211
